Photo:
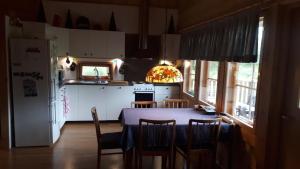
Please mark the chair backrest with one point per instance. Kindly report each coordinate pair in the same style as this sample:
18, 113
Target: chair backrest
176, 103
144, 104
203, 133
97, 125
156, 134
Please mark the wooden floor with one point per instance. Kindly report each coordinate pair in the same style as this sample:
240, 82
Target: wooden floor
76, 149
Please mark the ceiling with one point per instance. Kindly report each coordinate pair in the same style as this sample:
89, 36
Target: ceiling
153, 3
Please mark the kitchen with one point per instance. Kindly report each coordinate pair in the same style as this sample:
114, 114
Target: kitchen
90, 67
69, 63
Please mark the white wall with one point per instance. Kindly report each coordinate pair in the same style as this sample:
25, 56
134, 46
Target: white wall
126, 17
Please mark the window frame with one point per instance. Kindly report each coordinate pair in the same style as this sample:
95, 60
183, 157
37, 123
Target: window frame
187, 76
96, 64
203, 78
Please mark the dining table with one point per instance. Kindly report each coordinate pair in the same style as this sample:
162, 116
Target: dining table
130, 117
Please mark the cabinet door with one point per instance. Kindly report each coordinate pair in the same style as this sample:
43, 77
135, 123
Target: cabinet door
167, 90
79, 43
115, 44
98, 45
72, 102
117, 98
90, 96
60, 106
159, 98
62, 41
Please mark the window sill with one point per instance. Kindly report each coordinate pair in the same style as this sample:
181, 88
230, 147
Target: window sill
207, 104
188, 94
239, 121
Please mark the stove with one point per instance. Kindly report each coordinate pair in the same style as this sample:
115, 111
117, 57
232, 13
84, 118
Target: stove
144, 92
143, 87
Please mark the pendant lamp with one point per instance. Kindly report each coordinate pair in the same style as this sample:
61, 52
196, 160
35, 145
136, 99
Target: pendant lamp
164, 73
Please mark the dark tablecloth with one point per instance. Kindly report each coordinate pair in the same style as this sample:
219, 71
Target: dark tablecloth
130, 120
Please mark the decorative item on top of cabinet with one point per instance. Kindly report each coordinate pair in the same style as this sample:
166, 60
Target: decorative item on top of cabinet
82, 23
112, 23
69, 23
41, 13
57, 21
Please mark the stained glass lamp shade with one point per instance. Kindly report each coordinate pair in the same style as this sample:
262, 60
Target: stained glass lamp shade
164, 74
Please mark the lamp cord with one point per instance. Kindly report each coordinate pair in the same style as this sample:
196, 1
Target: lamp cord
165, 35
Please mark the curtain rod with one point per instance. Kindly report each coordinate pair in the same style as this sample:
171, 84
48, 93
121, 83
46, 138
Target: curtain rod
195, 26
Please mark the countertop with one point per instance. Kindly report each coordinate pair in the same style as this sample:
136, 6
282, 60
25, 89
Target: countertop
84, 82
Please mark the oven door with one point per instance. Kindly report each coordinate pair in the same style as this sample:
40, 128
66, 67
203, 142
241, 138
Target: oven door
144, 96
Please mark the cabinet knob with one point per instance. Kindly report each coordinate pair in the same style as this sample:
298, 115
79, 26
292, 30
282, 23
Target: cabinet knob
91, 54
85, 54
119, 87
167, 88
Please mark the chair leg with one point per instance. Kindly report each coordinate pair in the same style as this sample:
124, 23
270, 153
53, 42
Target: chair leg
188, 162
164, 162
171, 158
140, 161
99, 159
213, 160
136, 165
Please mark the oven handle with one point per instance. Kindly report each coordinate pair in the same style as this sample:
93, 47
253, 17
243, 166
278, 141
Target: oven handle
143, 92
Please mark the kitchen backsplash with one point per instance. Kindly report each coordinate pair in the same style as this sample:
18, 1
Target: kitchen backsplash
70, 75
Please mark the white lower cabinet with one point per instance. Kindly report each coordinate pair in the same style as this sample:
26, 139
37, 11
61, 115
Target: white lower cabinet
108, 100
88, 97
117, 97
60, 106
165, 92
72, 102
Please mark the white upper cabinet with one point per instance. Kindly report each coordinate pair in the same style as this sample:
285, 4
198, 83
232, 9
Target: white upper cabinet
115, 44
97, 44
79, 41
172, 44
60, 36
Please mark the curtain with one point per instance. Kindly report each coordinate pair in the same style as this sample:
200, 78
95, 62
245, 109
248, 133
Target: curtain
233, 39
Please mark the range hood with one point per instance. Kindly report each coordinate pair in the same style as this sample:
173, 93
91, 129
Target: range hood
143, 46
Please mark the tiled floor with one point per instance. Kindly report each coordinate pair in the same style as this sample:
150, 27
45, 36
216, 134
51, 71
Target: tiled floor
76, 149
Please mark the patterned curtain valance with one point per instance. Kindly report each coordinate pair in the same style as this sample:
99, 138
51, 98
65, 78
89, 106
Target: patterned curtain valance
233, 39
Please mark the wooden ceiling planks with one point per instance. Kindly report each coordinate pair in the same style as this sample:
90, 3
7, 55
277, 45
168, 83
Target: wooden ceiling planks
153, 3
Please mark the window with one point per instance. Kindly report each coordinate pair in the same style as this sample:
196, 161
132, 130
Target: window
189, 74
208, 82
241, 87
90, 71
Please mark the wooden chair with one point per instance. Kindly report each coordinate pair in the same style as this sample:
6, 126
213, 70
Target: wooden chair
106, 140
202, 137
156, 138
176, 103
144, 104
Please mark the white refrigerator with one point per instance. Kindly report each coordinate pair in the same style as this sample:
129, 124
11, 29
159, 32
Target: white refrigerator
34, 86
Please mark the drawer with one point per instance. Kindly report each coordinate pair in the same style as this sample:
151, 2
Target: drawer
167, 90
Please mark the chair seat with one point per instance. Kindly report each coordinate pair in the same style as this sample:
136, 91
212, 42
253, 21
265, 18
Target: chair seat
111, 140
